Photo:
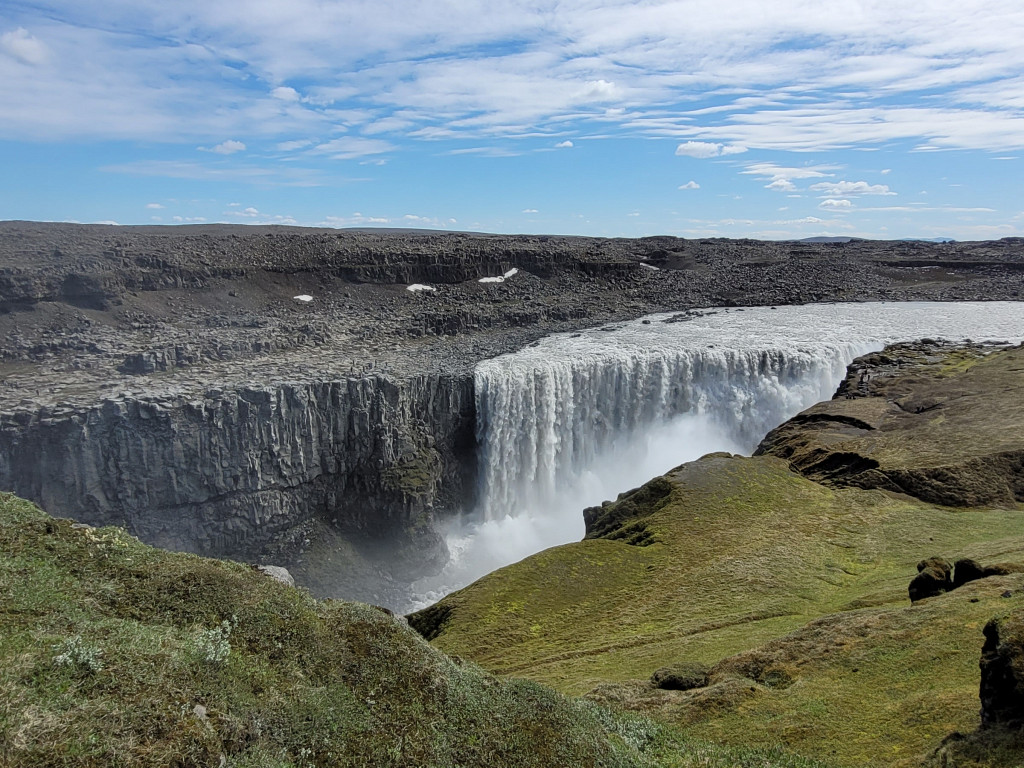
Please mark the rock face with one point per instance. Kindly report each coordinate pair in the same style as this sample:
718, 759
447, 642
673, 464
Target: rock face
936, 422
229, 472
1002, 672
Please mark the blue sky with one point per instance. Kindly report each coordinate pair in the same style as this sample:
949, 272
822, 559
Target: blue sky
735, 118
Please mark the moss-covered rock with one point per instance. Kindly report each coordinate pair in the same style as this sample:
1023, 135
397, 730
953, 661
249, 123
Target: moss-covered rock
939, 422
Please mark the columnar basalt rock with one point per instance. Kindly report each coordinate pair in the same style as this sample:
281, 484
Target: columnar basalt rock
227, 472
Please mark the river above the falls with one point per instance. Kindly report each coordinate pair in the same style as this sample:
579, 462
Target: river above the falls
577, 418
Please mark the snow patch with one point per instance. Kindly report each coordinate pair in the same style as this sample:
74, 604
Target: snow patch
305, 298
501, 279
417, 287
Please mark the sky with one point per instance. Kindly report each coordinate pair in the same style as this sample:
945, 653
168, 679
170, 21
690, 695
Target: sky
770, 119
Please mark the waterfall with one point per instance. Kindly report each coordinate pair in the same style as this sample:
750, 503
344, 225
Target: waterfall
542, 424
578, 418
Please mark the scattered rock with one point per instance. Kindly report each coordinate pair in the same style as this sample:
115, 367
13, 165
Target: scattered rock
277, 573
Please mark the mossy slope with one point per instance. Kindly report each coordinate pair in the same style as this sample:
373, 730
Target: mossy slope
117, 654
743, 553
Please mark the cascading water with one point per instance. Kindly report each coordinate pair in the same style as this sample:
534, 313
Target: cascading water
578, 418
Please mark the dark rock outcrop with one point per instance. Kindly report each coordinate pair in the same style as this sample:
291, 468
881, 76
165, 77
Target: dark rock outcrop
232, 471
967, 570
931, 420
1002, 673
933, 578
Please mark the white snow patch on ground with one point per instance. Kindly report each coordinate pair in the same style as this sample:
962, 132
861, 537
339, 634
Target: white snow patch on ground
416, 287
651, 267
305, 298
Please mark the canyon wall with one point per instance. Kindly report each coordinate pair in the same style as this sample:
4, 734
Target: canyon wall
229, 472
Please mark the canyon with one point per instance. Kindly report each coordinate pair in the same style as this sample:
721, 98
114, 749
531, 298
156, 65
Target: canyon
170, 380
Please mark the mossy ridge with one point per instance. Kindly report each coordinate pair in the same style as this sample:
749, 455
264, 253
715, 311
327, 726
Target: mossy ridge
745, 552
114, 653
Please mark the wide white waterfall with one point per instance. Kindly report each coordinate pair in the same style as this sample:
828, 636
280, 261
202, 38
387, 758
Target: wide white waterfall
581, 417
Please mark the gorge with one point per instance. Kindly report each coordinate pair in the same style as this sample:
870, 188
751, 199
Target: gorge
167, 380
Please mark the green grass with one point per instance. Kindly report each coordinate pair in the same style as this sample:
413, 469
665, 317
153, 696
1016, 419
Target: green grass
744, 553
113, 653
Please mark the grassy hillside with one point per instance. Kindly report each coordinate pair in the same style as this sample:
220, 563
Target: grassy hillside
737, 553
113, 653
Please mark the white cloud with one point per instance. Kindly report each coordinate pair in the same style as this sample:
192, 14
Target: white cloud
599, 90
228, 147
886, 171
430, 222
564, 144
831, 204
284, 93
290, 146
843, 188
154, 206
20, 45
699, 149
108, 222
530, 210
690, 185
706, 149
355, 220
781, 185
351, 147
774, 172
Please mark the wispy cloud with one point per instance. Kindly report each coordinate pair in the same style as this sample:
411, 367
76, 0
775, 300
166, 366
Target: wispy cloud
846, 188
706, 149
690, 185
228, 147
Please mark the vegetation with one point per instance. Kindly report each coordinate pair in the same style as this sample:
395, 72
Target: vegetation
746, 561
117, 654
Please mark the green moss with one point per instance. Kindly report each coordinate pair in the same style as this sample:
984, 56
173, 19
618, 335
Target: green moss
747, 552
114, 653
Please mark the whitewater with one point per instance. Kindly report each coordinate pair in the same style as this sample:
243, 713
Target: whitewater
578, 418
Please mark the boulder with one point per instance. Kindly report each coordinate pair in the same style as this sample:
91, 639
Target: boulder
277, 573
929, 582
